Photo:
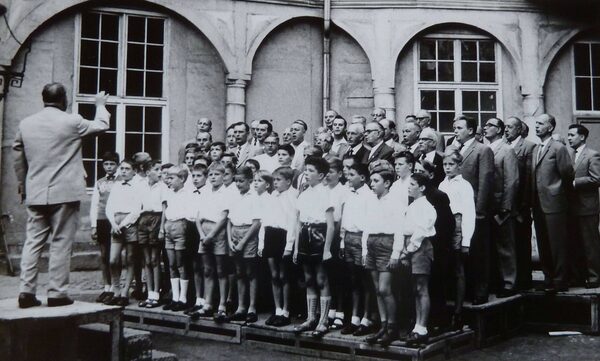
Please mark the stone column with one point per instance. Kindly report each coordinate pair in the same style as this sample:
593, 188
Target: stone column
235, 104
531, 83
384, 97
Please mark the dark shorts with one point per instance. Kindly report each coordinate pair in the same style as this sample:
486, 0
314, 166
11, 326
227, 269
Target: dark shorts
218, 246
250, 248
421, 260
275, 241
379, 251
148, 227
192, 238
128, 235
175, 234
457, 236
353, 248
103, 231
311, 242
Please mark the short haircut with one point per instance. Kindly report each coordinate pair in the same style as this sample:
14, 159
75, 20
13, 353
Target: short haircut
381, 128
316, 150
581, 130
129, 161
229, 167
288, 148
501, 125
328, 137
180, 172
342, 118
428, 166
254, 162
285, 172
200, 168
267, 177
246, 126
318, 162
166, 166
361, 169
234, 159
267, 123
154, 162
421, 179
302, 123
216, 167
111, 156
245, 172
220, 145
230, 127
335, 163
353, 157
454, 155
410, 158
470, 121
386, 175
54, 93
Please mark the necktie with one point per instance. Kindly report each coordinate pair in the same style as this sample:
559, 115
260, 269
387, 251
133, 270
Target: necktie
539, 155
239, 150
350, 152
126, 183
576, 156
110, 177
197, 191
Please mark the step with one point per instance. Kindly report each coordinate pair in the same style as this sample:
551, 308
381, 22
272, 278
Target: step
94, 343
163, 356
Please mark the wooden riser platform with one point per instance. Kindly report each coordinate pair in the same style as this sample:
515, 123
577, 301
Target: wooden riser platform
333, 345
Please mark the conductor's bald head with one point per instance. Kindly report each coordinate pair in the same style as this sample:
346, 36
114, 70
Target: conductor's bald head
55, 95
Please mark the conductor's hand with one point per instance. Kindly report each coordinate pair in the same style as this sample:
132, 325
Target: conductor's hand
94, 234
326, 255
101, 99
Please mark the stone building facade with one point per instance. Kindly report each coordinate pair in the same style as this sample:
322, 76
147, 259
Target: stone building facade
168, 62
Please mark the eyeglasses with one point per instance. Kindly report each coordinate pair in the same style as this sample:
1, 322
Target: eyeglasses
491, 125
371, 130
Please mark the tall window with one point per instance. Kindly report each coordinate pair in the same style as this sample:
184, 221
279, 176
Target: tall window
124, 55
586, 59
457, 76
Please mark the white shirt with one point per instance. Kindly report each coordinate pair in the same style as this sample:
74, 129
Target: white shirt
298, 160
178, 204
384, 215
153, 196
578, 151
462, 201
124, 197
419, 223
353, 216
335, 147
399, 191
356, 148
466, 145
313, 204
495, 144
514, 142
542, 147
244, 209
414, 147
279, 211
215, 203
375, 149
390, 142
430, 156
339, 194
267, 162
195, 202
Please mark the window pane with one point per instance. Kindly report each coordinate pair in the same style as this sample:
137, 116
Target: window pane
86, 111
90, 172
583, 94
152, 145
487, 116
110, 27
468, 50
106, 143
434, 120
90, 23
446, 71
88, 146
488, 101
446, 120
89, 53
112, 109
133, 144
582, 59
88, 81
134, 119
136, 29
445, 49
135, 56
427, 49
487, 72
596, 59
486, 50
156, 31
109, 55
153, 85
596, 93
470, 100
469, 71
153, 119
428, 71
446, 100
108, 81
154, 60
472, 115
135, 83
428, 99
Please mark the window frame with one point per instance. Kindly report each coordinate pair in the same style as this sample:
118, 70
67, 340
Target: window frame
120, 100
457, 86
581, 113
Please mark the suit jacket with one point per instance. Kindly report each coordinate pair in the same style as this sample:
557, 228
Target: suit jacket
587, 180
245, 154
506, 178
552, 177
48, 159
361, 154
342, 150
478, 169
384, 152
524, 151
444, 223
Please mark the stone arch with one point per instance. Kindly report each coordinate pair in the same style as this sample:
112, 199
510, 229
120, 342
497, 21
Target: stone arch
28, 22
550, 56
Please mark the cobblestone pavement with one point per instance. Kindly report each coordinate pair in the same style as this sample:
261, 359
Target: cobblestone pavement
526, 347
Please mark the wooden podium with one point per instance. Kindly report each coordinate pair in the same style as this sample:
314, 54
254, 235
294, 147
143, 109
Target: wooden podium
50, 333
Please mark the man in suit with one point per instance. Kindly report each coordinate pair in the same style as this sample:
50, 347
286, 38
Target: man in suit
504, 209
585, 205
299, 128
410, 137
374, 138
423, 118
524, 151
243, 151
427, 146
477, 169
51, 181
338, 128
552, 178
202, 125
355, 134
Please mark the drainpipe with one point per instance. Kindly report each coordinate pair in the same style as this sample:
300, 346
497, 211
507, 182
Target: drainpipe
326, 53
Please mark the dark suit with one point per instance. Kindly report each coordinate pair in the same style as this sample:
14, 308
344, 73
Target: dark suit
478, 169
506, 184
438, 175
524, 151
585, 207
384, 152
361, 154
552, 177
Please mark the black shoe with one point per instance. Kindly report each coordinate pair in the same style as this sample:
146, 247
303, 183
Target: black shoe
193, 309
281, 321
590, 285
306, 326
123, 302
169, 306
221, 317
479, 301
271, 320
416, 339
112, 301
376, 336
27, 300
103, 296
504, 293
61, 301
319, 332
251, 317
363, 330
349, 329
389, 336
238, 316
457, 322
178, 306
